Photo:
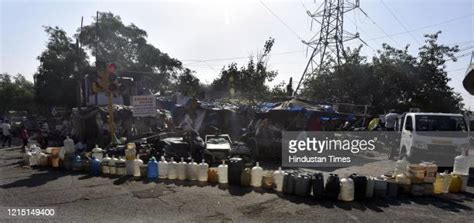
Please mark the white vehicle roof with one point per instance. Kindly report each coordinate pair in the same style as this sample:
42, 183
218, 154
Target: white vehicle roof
432, 113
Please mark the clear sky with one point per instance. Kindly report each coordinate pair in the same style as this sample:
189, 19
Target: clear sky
220, 29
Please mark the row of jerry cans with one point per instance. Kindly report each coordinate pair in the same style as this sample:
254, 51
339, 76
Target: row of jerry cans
152, 170
353, 187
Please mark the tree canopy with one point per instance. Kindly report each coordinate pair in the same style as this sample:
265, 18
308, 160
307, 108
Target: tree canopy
394, 79
16, 93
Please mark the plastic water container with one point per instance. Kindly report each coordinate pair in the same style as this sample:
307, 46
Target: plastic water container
402, 179
130, 151
289, 182
456, 183
192, 170
267, 179
461, 164
163, 168
317, 182
257, 174
333, 186
380, 187
392, 188
105, 164
137, 164
303, 185
447, 181
212, 175
369, 191
152, 172
68, 145
430, 172
222, 170
416, 173
112, 167
97, 152
236, 165
401, 167
95, 167
77, 163
120, 167
278, 179
172, 169
347, 190
129, 167
360, 186
246, 177
202, 173
181, 169
417, 190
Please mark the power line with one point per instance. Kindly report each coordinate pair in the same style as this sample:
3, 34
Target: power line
423, 27
459, 56
281, 20
380, 27
236, 58
398, 20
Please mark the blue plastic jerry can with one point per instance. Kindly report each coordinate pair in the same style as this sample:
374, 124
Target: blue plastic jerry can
152, 171
95, 167
77, 163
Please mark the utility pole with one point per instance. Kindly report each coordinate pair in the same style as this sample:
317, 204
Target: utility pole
78, 75
330, 37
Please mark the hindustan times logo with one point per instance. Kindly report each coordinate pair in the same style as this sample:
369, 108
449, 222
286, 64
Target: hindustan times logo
326, 144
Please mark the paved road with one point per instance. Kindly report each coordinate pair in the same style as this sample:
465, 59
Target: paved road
78, 197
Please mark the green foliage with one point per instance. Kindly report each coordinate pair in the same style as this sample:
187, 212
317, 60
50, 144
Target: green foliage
247, 82
189, 85
126, 46
393, 80
56, 79
16, 93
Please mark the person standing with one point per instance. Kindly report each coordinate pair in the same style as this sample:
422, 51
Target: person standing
7, 136
24, 136
390, 120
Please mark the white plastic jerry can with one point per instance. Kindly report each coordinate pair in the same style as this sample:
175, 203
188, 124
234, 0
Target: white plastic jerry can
202, 173
347, 190
105, 164
97, 152
163, 168
278, 179
461, 164
112, 168
447, 181
401, 167
120, 165
256, 176
222, 173
181, 169
68, 145
172, 169
192, 170
137, 163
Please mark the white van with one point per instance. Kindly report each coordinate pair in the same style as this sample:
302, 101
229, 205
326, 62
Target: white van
433, 136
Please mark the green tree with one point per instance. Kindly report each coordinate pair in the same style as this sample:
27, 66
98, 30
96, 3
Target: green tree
188, 84
247, 82
433, 92
56, 78
393, 80
126, 45
16, 93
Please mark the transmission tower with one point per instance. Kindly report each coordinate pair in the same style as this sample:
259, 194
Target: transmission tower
330, 37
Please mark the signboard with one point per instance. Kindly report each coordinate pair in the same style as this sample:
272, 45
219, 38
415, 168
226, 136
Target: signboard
144, 106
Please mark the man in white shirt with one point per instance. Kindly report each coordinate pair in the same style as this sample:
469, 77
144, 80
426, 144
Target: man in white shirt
7, 136
390, 120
